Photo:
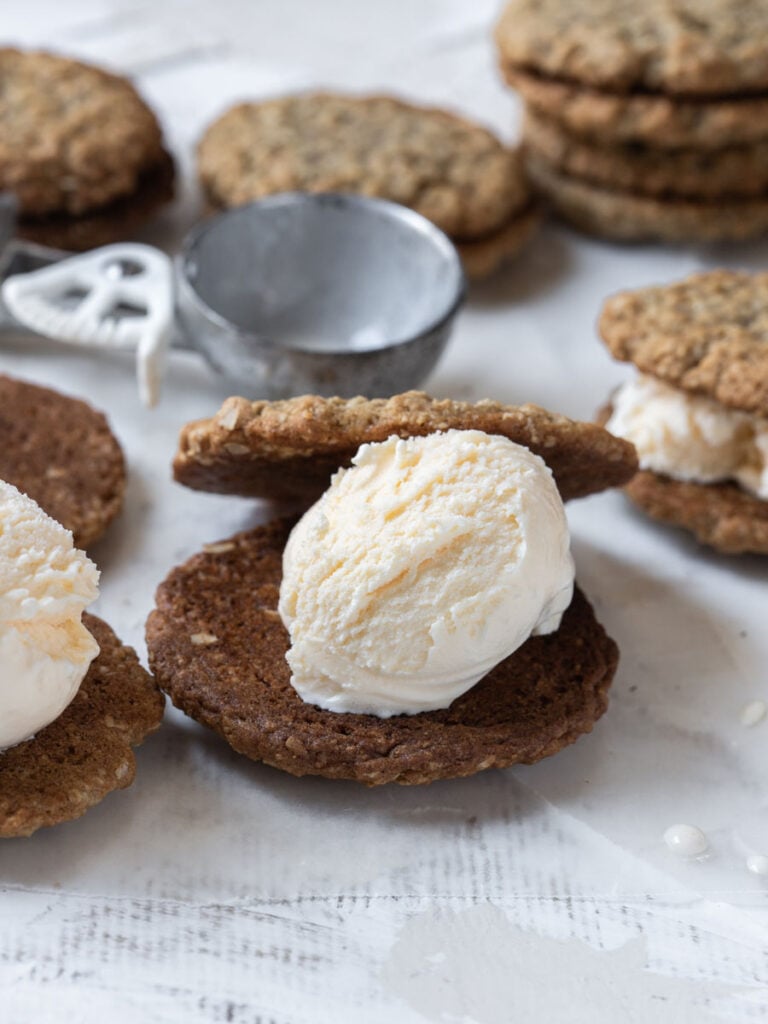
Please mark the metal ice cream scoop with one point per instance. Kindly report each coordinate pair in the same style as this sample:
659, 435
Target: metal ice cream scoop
328, 294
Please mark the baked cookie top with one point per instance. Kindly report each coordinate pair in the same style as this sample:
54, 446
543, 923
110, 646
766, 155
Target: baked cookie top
686, 47
706, 334
452, 171
217, 645
290, 449
61, 452
72, 137
86, 752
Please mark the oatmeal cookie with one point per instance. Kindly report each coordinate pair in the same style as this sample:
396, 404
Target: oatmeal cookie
736, 172
629, 217
664, 122
450, 170
707, 334
86, 752
73, 137
687, 48
229, 671
61, 452
290, 449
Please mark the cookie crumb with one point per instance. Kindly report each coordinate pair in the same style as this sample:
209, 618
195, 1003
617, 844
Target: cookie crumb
754, 712
203, 639
227, 417
757, 863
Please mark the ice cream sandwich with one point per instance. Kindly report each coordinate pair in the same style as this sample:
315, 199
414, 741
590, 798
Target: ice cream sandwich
234, 637
698, 409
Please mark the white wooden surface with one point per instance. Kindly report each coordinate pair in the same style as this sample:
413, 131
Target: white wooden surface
217, 890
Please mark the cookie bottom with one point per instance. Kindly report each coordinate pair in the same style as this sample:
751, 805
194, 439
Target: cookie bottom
721, 516
483, 256
629, 217
61, 452
113, 223
86, 753
665, 122
217, 647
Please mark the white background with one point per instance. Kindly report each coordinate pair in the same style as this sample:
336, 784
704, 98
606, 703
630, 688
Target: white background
218, 890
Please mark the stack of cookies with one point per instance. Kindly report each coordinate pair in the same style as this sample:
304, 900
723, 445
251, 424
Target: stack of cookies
645, 120
79, 149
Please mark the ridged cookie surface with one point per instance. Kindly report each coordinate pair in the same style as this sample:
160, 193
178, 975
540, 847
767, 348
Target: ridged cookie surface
706, 334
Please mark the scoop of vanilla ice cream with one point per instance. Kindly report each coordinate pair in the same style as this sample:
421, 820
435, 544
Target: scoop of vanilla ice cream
45, 584
691, 437
420, 568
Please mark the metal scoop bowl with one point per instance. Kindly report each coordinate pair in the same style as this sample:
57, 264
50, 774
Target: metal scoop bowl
328, 294
321, 293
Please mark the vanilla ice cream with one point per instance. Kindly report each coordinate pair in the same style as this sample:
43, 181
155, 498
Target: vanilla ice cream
45, 584
691, 437
420, 568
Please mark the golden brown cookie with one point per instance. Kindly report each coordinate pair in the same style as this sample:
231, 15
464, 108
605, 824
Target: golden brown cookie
689, 48
61, 452
217, 646
448, 169
80, 150
736, 172
455, 173
73, 137
116, 222
664, 122
86, 753
722, 515
707, 334
290, 449
628, 216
